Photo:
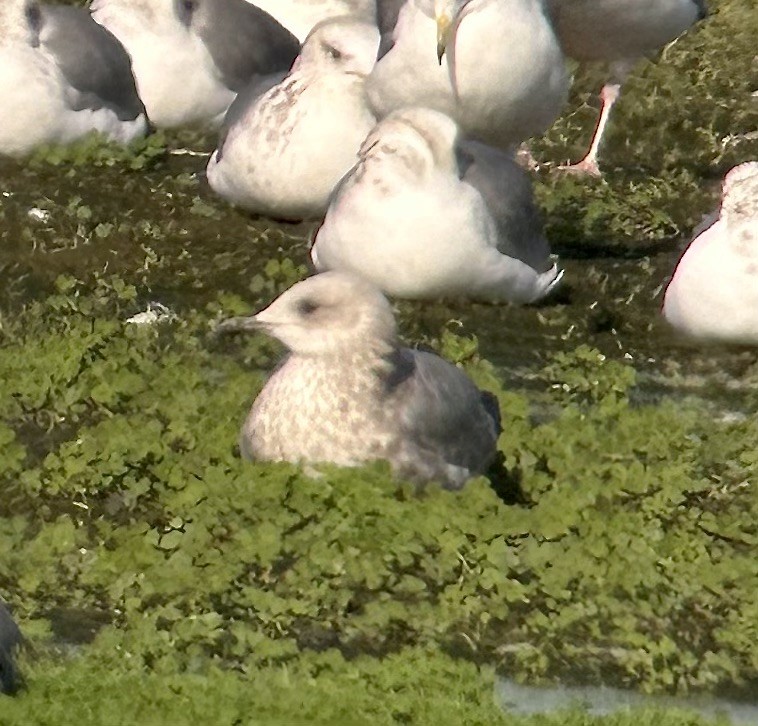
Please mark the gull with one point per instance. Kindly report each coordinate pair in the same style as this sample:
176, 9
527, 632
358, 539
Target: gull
10, 639
282, 152
301, 16
62, 76
192, 58
423, 216
349, 393
619, 32
713, 293
495, 66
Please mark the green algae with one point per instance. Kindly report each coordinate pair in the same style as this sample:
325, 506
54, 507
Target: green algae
161, 579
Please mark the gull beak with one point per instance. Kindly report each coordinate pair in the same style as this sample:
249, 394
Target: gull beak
241, 324
444, 28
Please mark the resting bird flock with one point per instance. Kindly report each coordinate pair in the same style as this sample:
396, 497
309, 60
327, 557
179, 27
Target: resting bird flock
349, 393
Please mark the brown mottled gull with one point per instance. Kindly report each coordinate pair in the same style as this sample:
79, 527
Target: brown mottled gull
349, 393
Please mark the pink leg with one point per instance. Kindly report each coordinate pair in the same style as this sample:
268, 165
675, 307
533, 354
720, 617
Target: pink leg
588, 165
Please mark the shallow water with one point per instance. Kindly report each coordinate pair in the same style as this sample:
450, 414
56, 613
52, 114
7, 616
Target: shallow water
602, 701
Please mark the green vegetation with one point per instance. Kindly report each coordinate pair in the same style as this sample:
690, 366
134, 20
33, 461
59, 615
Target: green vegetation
159, 579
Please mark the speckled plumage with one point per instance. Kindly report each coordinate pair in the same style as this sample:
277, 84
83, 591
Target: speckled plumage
349, 393
713, 293
284, 151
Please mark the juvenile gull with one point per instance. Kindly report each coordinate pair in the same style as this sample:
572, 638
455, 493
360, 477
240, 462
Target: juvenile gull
301, 16
192, 57
350, 394
62, 76
10, 639
713, 294
495, 66
619, 32
423, 216
282, 152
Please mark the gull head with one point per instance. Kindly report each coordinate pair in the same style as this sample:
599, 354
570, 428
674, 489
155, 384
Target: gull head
423, 138
446, 15
340, 45
331, 314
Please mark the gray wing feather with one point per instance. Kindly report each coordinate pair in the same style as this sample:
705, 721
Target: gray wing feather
442, 411
245, 42
10, 638
507, 190
92, 60
387, 12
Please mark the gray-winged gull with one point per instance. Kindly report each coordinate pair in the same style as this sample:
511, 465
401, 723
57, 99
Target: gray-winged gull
301, 16
618, 32
349, 393
495, 66
423, 216
10, 639
192, 57
61, 77
713, 293
282, 152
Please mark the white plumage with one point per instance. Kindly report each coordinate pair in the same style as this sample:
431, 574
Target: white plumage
713, 294
283, 152
422, 217
49, 95
502, 74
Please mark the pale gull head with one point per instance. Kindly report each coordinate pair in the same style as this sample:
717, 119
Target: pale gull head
339, 45
349, 394
330, 315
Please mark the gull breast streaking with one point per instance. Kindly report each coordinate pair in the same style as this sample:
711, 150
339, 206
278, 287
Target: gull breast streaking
423, 216
618, 32
301, 16
713, 294
61, 77
192, 57
282, 152
349, 394
495, 66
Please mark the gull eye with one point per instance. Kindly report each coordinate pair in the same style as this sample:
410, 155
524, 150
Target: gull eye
306, 307
332, 52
